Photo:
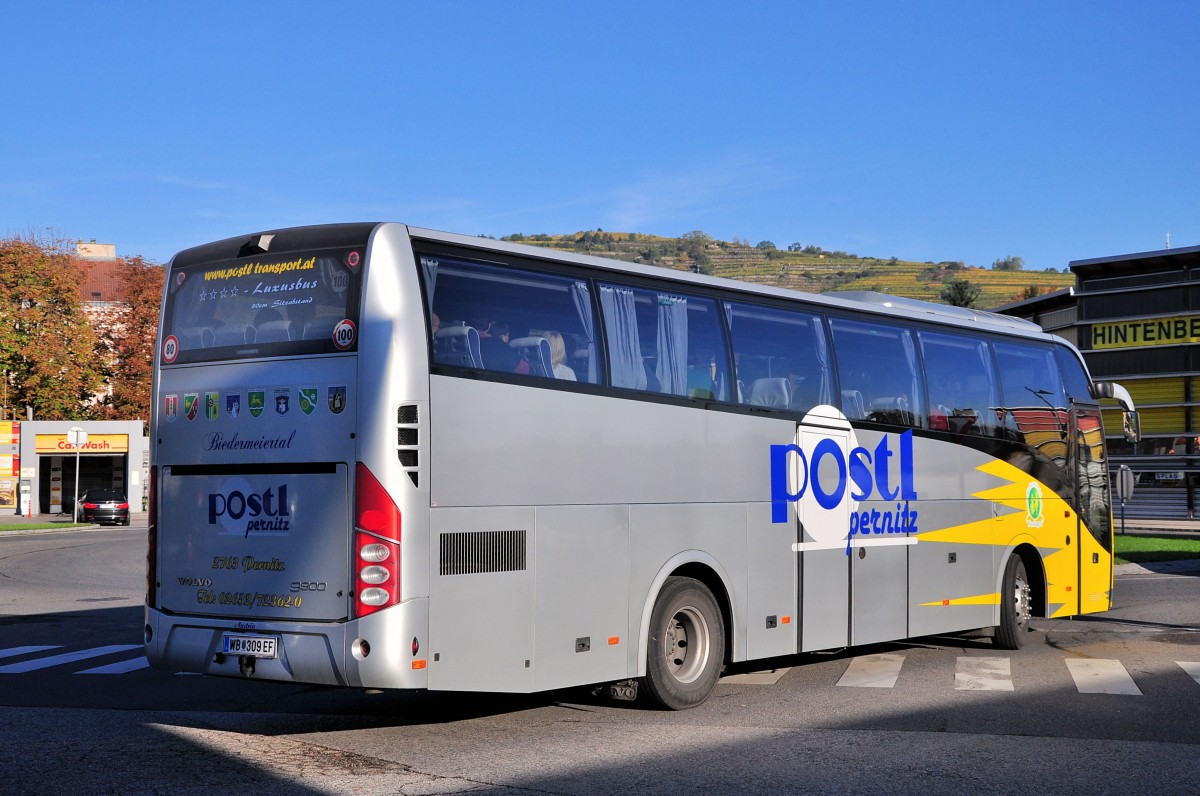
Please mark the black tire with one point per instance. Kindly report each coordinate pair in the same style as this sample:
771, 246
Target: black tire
686, 648
1016, 606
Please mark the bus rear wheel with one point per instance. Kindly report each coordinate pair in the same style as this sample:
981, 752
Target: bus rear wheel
1016, 606
686, 646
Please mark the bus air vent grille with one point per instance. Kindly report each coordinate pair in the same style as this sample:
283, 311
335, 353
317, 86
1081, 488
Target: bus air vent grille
407, 439
475, 552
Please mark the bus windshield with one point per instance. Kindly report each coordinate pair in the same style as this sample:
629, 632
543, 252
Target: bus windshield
261, 306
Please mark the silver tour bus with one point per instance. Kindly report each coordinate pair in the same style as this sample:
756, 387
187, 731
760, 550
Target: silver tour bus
391, 457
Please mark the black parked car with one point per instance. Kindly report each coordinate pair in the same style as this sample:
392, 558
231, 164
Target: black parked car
105, 506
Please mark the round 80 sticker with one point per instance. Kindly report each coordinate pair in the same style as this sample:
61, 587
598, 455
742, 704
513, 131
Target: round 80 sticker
344, 334
170, 349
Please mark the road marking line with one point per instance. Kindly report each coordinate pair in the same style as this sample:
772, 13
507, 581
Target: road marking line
873, 671
1102, 677
120, 667
66, 657
13, 652
1192, 668
983, 674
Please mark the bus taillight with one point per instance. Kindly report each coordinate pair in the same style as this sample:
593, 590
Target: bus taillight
376, 545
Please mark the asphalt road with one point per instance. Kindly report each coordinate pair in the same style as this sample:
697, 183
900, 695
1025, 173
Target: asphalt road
934, 715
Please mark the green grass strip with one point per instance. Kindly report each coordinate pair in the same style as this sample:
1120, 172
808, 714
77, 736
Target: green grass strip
1143, 549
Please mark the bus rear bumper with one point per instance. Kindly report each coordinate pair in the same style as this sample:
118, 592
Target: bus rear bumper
383, 650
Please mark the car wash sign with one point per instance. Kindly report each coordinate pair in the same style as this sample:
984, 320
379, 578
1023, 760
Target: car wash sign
95, 443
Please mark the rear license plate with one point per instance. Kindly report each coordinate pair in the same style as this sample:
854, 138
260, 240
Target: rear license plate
254, 646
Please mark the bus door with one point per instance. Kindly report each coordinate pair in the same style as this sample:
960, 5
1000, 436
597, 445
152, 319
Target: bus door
877, 548
1093, 535
823, 520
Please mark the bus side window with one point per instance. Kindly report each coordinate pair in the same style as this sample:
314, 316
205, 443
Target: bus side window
513, 315
962, 387
665, 342
1034, 401
879, 362
780, 356
1029, 376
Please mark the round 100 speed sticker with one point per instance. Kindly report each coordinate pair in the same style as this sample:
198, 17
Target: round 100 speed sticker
344, 334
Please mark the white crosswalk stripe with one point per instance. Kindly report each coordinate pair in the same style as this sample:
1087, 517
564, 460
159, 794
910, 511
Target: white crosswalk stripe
873, 671
1101, 677
120, 667
1192, 668
983, 674
66, 657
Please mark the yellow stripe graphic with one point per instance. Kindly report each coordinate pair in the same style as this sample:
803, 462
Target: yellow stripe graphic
979, 599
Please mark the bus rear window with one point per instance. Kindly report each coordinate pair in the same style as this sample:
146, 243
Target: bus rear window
263, 306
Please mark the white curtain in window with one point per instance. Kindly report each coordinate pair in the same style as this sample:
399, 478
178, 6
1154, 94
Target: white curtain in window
621, 333
672, 344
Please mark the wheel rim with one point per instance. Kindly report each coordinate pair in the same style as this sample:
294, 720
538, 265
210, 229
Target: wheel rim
687, 644
1024, 601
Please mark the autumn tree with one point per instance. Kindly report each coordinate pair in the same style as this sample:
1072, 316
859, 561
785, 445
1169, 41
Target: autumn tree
49, 352
127, 330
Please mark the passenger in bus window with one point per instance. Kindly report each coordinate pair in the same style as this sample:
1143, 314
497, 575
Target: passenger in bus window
494, 347
558, 357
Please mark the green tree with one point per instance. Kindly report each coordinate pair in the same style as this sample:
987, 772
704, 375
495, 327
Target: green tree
1009, 263
695, 246
50, 353
960, 293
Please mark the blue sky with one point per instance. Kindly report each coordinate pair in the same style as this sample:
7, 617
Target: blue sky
921, 130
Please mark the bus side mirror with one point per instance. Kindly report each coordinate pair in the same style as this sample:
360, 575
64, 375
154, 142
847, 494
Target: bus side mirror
1132, 424
1114, 391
